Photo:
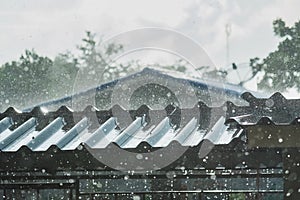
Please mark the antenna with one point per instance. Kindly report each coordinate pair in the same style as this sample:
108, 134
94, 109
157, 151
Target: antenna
228, 32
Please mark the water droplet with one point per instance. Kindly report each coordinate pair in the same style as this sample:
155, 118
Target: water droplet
290, 191
171, 174
269, 103
213, 177
136, 197
124, 87
139, 156
80, 147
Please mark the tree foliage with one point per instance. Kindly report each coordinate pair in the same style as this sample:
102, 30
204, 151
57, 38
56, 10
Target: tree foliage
97, 64
281, 68
25, 76
34, 78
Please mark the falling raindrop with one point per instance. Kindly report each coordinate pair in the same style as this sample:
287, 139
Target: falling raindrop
290, 191
80, 147
213, 177
139, 156
269, 103
71, 181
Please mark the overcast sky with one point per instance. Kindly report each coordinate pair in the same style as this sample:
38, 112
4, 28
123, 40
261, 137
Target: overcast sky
54, 26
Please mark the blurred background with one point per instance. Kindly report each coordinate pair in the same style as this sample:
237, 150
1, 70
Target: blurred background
45, 44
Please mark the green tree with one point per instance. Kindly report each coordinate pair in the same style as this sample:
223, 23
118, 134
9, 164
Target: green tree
25, 80
62, 75
33, 78
281, 68
96, 65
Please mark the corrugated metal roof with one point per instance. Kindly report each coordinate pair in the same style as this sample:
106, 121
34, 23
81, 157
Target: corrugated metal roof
273, 110
39, 130
97, 129
33, 139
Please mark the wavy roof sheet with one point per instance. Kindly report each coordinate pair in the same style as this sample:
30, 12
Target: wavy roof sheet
29, 139
66, 129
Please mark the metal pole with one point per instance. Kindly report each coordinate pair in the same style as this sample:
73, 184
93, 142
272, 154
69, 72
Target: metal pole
228, 32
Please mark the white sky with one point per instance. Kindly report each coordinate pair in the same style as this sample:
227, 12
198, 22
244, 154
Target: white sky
54, 26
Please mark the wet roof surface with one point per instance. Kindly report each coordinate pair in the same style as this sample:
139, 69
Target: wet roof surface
67, 129
97, 129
